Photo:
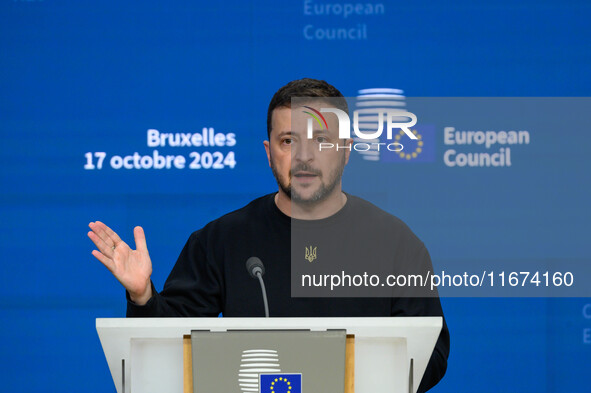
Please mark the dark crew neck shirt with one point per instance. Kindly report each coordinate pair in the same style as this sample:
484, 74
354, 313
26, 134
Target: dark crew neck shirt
210, 276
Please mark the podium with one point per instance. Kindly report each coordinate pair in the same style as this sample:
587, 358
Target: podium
146, 354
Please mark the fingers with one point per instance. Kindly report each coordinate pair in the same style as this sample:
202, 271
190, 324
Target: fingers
99, 230
108, 262
106, 249
106, 233
140, 239
116, 239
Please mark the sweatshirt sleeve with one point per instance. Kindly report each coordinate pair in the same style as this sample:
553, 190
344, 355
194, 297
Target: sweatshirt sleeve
194, 287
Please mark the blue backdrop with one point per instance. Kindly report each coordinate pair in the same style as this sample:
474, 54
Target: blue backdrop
83, 80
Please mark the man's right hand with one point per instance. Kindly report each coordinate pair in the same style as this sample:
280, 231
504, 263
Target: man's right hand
132, 268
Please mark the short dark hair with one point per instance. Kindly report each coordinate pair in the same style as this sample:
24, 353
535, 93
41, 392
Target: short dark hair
305, 87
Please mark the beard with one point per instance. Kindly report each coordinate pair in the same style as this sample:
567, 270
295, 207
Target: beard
325, 189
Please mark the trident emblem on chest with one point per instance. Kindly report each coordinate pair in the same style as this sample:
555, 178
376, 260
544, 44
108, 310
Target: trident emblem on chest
311, 253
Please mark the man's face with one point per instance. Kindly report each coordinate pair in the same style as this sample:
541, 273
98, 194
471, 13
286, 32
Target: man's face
303, 172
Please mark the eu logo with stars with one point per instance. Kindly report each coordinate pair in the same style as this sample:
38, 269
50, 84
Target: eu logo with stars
420, 150
280, 383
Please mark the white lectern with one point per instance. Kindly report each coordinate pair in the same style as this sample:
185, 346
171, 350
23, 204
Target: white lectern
145, 355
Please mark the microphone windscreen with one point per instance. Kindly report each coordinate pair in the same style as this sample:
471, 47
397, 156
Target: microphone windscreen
252, 263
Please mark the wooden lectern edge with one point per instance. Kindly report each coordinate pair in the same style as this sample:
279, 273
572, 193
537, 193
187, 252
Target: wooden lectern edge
187, 364
349, 364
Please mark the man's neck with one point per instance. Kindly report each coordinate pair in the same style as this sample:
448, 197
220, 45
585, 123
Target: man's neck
323, 209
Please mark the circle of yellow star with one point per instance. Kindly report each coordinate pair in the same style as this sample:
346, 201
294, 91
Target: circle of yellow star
417, 150
280, 379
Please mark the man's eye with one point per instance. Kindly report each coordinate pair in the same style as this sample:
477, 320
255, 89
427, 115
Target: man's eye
287, 141
321, 139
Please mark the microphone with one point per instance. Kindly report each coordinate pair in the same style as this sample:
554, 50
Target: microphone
256, 269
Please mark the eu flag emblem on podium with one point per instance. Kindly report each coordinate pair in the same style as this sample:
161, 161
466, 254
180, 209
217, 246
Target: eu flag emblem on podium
280, 383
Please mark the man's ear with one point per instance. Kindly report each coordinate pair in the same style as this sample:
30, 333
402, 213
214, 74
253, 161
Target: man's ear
268, 150
348, 142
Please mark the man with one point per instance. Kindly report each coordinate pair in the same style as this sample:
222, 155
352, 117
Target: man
210, 277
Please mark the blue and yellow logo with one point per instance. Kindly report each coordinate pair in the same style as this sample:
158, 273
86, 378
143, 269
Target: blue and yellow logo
421, 149
280, 383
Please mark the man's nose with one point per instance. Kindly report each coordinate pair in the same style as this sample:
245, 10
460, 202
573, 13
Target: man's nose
304, 151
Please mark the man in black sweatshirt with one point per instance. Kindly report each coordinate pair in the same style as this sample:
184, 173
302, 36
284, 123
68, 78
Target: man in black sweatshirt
210, 278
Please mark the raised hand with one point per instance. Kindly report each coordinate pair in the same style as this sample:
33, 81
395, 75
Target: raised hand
132, 268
